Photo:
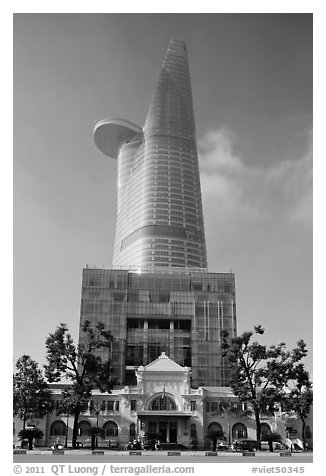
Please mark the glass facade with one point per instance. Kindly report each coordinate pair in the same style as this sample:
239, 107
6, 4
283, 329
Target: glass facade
180, 312
159, 296
159, 212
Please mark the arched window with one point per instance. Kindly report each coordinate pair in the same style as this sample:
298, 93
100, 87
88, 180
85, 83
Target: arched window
193, 431
58, 428
83, 427
110, 428
239, 430
162, 403
132, 430
265, 430
214, 427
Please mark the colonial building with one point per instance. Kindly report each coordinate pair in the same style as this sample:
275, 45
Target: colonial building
164, 403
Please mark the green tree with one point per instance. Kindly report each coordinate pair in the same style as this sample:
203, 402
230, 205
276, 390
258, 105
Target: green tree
259, 373
30, 434
31, 394
299, 396
81, 364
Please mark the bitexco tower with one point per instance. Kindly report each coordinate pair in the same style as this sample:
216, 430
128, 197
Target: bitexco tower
159, 295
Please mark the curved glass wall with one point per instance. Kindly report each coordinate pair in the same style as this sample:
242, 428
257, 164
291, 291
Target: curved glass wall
160, 217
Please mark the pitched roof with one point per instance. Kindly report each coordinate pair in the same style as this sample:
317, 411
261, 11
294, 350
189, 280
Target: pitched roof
164, 364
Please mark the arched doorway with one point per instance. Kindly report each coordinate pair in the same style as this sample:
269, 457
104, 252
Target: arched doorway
111, 429
239, 431
164, 424
265, 430
58, 428
83, 427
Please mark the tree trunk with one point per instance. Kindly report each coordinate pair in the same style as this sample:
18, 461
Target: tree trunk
75, 428
270, 444
24, 426
303, 436
30, 443
258, 427
93, 442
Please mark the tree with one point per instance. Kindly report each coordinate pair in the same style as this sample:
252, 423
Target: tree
259, 373
81, 365
31, 394
30, 434
94, 432
299, 396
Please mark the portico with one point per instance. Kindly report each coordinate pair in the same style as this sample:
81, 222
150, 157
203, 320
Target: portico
164, 410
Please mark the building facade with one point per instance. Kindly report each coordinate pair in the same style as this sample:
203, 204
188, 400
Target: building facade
162, 402
180, 312
159, 295
159, 213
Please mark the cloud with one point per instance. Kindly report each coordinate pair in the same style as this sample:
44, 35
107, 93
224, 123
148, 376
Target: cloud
234, 191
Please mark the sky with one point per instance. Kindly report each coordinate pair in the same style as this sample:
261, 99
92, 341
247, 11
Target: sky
252, 88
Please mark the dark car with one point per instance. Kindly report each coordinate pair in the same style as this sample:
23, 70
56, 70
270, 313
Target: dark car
248, 445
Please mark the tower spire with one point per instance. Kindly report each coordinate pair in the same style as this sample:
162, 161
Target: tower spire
160, 216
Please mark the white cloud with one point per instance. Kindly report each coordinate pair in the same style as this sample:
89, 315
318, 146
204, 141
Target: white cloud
234, 191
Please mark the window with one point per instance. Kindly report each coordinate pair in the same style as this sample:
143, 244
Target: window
215, 427
116, 405
132, 431
265, 430
239, 430
193, 431
162, 403
83, 427
133, 405
110, 405
215, 407
58, 428
110, 428
193, 406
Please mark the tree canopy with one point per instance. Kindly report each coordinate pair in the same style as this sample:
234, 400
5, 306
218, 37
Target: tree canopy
81, 364
31, 394
299, 395
259, 373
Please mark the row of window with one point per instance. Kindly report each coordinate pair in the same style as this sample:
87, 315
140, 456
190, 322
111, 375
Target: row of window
239, 430
59, 428
105, 405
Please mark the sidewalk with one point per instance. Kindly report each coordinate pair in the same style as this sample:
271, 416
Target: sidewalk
83, 454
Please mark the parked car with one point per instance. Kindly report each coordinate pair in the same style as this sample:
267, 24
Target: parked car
248, 445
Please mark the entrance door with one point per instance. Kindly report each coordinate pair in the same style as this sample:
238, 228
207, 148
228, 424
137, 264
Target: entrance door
173, 432
162, 429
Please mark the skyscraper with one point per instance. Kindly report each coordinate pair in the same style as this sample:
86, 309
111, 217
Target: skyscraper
159, 296
159, 217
